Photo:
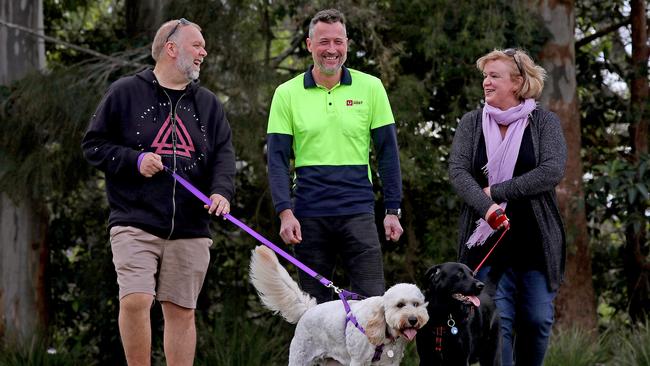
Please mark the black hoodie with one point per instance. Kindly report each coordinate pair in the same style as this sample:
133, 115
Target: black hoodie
135, 117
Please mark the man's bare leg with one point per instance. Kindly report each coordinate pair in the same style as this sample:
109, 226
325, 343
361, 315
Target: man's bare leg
135, 328
180, 334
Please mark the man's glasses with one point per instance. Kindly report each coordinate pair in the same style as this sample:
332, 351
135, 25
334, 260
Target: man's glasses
182, 21
513, 53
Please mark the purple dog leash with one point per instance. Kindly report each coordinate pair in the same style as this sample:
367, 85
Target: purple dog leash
342, 293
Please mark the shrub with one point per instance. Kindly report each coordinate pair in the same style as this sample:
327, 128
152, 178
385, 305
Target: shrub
634, 347
576, 347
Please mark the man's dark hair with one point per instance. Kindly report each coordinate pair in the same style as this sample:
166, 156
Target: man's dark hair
329, 16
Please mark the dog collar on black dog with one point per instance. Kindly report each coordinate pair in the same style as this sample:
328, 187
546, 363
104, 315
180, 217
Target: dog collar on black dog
440, 331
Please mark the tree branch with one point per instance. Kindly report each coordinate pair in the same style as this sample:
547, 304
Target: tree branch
116, 60
585, 40
295, 41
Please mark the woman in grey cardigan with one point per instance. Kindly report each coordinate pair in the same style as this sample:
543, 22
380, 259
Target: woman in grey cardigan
509, 156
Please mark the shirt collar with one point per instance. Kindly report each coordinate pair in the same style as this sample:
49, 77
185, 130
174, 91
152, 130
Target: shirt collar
309, 82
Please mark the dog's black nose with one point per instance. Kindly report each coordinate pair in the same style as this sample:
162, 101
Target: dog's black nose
413, 320
479, 285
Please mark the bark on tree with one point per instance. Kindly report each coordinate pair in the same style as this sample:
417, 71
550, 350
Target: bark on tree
23, 225
639, 78
19, 53
576, 301
637, 265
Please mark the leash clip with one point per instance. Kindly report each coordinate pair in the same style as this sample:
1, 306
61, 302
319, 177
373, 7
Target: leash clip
336, 289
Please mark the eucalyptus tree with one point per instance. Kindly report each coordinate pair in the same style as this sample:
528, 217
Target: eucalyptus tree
576, 302
613, 65
23, 295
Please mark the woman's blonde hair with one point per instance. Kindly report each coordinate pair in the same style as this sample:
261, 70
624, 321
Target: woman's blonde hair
522, 65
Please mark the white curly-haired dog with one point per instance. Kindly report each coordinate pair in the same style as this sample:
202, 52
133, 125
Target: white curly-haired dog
322, 333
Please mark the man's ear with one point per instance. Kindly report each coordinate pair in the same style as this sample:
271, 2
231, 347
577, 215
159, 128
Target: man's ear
308, 42
171, 49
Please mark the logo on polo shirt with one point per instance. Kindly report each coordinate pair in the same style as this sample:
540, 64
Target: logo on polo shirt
351, 102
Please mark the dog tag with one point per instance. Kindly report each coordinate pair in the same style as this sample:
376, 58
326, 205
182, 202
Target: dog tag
390, 353
454, 330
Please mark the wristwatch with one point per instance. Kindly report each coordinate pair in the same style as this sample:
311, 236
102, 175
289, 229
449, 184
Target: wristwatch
394, 211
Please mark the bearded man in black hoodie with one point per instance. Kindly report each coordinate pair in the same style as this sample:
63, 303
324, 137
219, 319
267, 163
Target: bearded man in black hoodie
159, 232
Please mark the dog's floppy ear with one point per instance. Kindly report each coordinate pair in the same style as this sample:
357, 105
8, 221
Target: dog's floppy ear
376, 326
431, 273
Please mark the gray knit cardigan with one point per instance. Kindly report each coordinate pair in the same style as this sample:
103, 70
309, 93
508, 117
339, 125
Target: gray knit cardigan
537, 185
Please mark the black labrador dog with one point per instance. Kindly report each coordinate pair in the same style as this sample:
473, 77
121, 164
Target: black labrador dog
463, 325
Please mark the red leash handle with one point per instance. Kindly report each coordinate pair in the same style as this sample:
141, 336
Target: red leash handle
498, 218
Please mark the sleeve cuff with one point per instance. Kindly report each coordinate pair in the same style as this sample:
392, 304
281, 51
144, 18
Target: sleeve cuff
392, 204
282, 206
140, 157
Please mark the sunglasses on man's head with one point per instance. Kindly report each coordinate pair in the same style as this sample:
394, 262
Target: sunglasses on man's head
182, 21
513, 53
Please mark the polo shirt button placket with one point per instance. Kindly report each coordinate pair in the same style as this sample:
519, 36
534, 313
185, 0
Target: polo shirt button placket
329, 100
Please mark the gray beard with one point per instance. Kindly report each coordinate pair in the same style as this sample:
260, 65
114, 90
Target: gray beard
330, 71
185, 66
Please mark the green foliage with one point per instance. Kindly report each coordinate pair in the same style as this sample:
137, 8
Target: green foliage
234, 339
38, 353
576, 347
83, 284
410, 355
610, 190
620, 184
44, 119
633, 347
98, 25
616, 185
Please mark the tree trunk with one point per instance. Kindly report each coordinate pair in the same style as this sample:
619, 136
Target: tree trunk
637, 266
576, 301
23, 249
24, 258
639, 78
20, 53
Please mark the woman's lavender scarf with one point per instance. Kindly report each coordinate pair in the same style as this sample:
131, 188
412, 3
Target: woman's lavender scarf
501, 153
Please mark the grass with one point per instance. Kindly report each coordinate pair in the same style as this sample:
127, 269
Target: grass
633, 347
237, 342
234, 340
37, 353
576, 347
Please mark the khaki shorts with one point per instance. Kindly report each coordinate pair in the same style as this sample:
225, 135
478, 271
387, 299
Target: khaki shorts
170, 270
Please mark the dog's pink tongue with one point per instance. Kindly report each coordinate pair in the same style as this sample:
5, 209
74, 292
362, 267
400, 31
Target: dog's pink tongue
410, 333
475, 300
